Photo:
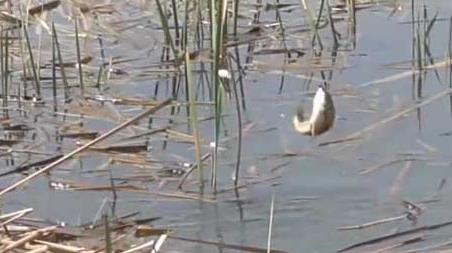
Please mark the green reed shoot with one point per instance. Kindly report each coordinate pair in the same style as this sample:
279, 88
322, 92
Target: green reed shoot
191, 90
218, 22
194, 118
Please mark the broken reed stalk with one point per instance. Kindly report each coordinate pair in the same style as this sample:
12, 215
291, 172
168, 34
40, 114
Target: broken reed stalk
270, 225
87, 145
108, 244
373, 223
190, 170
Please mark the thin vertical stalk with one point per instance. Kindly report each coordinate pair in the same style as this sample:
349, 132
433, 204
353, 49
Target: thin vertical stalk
24, 67
2, 65
239, 125
101, 67
33, 67
352, 10
241, 73
54, 83
6, 73
218, 16
108, 243
165, 26
60, 63
270, 225
176, 22
449, 48
413, 50
333, 29
192, 101
236, 14
194, 119
79, 58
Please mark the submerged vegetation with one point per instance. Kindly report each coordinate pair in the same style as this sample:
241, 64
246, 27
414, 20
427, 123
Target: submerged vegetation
143, 103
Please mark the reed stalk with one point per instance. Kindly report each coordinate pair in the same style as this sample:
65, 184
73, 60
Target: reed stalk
37, 85
166, 29
61, 63
79, 58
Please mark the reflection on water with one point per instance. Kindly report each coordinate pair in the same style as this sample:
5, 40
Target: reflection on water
317, 189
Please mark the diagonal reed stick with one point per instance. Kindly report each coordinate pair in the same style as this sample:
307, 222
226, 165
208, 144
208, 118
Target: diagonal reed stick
359, 134
87, 145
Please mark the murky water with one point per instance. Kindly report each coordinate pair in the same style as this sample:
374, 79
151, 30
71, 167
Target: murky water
316, 191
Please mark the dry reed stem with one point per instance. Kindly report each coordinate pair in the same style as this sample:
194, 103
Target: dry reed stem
159, 243
403, 173
33, 249
61, 248
405, 74
9, 215
228, 246
27, 238
140, 247
179, 195
15, 217
372, 223
87, 145
388, 163
411, 240
386, 237
429, 248
191, 169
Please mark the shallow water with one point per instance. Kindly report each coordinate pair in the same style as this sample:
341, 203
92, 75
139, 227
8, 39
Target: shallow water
315, 192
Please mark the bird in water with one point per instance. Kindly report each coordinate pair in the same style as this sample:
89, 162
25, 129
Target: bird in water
322, 116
